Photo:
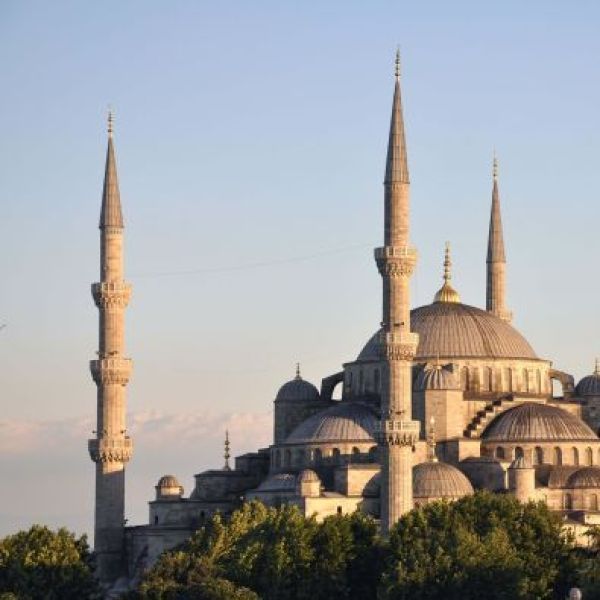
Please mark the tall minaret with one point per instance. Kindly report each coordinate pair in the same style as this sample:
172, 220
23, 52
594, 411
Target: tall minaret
496, 259
396, 261
112, 447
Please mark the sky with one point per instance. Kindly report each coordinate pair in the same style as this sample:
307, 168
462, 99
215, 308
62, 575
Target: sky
250, 141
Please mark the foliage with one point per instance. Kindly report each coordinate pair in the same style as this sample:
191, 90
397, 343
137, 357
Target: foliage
482, 542
43, 564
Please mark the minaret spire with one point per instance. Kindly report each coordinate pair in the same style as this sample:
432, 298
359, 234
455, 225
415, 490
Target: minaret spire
397, 433
227, 453
496, 258
111, 449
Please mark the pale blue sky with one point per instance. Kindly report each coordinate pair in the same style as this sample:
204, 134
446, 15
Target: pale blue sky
250, 132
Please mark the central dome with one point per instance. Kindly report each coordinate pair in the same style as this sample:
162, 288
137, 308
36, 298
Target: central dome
537, 422
454, 330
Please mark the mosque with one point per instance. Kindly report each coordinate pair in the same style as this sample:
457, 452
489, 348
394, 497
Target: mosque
442, 400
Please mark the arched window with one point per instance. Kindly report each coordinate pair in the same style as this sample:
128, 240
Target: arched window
575, 455
339, 510
568, 502
377, 381
500, 455
361, 382
287, 458
490, 378
506, 383
336, 456
373, 454
538, 456
519, 452
593, 502
464, 378
486, 378
300, 457
589, 457
557, 456
511, 380
156, 519
318, 456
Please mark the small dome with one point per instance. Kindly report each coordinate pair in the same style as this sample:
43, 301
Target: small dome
531, 421
588, 477
439, 480
437, 377
348, 421
590, 385
280, 482
168, 481
559, 475
308, 475
453, 330
297, 390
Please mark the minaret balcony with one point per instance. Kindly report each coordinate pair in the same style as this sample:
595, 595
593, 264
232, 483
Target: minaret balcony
396, 260
109, 449
398, 345
394, 432
111, 370
108, 294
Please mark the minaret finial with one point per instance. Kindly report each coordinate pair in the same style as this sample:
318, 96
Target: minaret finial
111, 120
447, 264
431, 457
495, 166
227, 453
397, 64
298, 376
447, 293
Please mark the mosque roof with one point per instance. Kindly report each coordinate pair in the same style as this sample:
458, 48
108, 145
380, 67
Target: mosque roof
168, 481
348, 421
590, 385
297, 390
455, 330
436, 377
587, 477
280, 482
532, 421
439, 480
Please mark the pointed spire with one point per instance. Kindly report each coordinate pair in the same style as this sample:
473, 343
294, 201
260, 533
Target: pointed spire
431, 457
111, 215
396, 169
298, 376
447, 293
227, 453
496, 236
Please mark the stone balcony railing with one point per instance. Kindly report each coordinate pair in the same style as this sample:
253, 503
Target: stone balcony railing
111, 293
111, 370
393, 432
108, 449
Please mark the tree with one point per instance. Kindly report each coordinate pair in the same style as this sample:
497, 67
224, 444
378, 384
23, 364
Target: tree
40, 563
483, 542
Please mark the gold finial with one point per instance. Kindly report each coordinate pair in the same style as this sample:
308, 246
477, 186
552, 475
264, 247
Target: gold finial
597, 368
227, 453
495, 166
431, 457
447, 293
111, 119
397, 69
298, 376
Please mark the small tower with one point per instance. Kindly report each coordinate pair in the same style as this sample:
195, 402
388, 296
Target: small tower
111, 449
396, 260
227, 453
521, 479
496, 258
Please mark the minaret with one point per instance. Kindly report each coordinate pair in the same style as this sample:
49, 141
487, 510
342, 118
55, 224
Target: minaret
227, 453
496, 259
112, 447
396, 261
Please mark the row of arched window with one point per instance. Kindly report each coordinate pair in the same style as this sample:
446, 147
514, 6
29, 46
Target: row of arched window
552, 456
591, 501
302, 457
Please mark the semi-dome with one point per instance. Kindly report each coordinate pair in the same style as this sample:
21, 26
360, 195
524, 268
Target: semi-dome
297, 390
590, 385
439, 480
346, 422
531, 421
437, 377
587, 477
455, 330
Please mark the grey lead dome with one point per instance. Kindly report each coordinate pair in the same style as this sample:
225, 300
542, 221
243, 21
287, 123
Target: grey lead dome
439, 480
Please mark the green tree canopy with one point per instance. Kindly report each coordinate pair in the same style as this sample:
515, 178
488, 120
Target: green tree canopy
45, 564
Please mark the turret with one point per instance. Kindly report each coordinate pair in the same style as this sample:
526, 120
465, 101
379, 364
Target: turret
396, 260
111, 448
521, 480
496, 258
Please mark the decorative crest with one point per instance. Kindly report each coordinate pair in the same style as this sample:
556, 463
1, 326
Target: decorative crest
447, 293
447, 264
227, 454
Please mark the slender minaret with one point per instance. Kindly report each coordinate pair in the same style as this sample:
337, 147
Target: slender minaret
227, 453
112, 447
496, 259
396, 261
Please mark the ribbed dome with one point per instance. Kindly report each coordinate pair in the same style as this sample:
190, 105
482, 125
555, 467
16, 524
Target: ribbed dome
588, 477
308, 475
348, 421
167, 481
537, 422
297, 390
439, 480
590, 385
281, 482
436, 377
454, 330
